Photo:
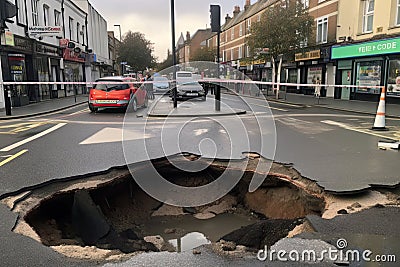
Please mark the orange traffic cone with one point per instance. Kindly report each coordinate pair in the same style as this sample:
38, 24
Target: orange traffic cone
379, 124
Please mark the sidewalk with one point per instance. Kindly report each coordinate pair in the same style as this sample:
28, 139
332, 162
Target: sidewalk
43, 107
365, 107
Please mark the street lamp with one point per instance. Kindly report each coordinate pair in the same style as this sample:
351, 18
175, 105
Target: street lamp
174, 90
119, 26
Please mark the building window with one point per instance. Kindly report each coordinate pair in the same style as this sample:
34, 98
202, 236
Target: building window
71, 28
248, 25
21, 11
259, 18
398, 13
241, 29
57, 16
35, 14
231, 53
232, 34
78, 30
322, 30
368, 19
46, 15
240, 52
306, 3
83, 34
247, 51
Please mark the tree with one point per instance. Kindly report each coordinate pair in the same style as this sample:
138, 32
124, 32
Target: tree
284, 27
204, 54
137, 51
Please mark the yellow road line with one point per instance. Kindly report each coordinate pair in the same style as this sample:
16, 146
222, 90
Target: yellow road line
13, 157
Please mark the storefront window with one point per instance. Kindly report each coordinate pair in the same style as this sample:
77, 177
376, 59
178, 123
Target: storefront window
314, 75
43, 75
73, 73
394, 78
18, 74
368, 75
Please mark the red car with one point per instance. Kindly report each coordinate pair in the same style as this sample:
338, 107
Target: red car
116, 92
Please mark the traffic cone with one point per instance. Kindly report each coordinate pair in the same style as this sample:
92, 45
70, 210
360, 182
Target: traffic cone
379, 124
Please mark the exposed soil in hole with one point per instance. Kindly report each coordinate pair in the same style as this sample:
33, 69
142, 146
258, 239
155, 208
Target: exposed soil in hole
122, 218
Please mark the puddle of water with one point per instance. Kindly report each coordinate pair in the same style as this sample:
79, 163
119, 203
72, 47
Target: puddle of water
189, 241
192, 232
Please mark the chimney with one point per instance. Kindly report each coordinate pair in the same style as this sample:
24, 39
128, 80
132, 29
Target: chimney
227, 19
236, 11
247, 4
187, 36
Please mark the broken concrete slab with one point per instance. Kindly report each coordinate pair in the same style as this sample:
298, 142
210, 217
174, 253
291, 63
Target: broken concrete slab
87, 219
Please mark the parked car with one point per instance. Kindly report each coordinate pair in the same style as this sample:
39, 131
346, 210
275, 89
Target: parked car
187, 86
116, 92
189, 89
160, 85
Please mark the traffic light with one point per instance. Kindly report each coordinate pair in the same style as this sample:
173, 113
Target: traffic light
7, 10
215, 18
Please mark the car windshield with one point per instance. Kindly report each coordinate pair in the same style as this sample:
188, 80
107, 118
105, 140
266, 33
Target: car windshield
160, 79
110, 85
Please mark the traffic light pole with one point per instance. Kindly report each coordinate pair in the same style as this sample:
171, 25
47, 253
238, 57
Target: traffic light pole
174, 89
218, 89
215, 16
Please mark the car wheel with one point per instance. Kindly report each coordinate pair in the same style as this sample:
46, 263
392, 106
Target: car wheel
134, 105
92, 108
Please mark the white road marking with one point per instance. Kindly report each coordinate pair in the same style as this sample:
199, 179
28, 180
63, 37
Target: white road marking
110, 135
264, 106
36, 136
348, 127
305, 127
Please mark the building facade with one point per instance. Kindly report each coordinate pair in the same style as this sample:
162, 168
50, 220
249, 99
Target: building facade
50, 41
368, 50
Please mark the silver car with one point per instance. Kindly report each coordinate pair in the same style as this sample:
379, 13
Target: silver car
160, 85
190, 89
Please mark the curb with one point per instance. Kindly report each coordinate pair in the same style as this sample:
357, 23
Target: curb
40, 113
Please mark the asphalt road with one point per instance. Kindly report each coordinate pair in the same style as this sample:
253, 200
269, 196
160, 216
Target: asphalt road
336, 149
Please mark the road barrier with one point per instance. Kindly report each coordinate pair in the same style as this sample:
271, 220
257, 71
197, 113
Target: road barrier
379, 123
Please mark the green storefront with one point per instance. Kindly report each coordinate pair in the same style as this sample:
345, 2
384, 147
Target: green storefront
368, 65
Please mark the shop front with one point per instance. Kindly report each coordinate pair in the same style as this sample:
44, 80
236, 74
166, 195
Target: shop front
74, 61
368, 66
47, 65
311, 69
16, 62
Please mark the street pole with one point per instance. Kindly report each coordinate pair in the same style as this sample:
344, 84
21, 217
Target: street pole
120, 41
174, 89
218, 89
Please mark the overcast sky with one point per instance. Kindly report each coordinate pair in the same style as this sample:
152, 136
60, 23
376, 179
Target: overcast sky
152, 18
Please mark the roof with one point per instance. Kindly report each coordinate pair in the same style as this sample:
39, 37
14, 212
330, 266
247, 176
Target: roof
247, 13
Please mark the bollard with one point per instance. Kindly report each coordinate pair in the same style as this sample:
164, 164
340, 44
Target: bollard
7, 100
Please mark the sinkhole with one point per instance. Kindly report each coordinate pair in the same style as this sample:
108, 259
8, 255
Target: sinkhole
109, 211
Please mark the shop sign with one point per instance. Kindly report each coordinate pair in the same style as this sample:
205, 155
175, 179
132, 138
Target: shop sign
387, 46
48, 50
315, 54
64, 43
8, 39
71, 55
16, 63
45, 30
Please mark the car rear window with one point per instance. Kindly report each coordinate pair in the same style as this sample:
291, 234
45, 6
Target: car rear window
184, 75
110, 85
